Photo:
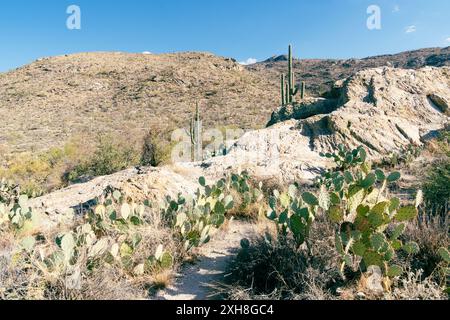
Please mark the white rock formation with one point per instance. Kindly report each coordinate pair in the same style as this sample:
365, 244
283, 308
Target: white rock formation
383, 109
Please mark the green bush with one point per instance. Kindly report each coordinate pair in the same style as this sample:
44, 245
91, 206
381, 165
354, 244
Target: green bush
109, 157
437, 187
156, 149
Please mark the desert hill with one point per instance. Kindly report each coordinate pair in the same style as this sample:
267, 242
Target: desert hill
45, 103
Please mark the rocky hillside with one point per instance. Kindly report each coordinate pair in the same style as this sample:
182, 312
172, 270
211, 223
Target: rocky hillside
47, 102
320, 75
383, 109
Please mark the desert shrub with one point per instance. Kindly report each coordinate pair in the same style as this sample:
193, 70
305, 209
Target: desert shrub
406, 155
111, 155
354, 198
156, 149
273, 267
436, 187
8, 191
33, 173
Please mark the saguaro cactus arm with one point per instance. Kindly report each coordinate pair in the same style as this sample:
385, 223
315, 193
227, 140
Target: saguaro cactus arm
288, 88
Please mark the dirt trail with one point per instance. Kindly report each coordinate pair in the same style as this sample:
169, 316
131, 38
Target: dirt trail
194, 280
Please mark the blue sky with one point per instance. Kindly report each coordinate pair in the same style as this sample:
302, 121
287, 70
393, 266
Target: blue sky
240, 29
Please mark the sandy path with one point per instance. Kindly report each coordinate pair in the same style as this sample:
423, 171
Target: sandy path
192, 284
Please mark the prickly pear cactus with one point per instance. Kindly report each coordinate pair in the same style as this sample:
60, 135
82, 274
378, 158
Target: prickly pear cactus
293, 212
195, 217
363, 211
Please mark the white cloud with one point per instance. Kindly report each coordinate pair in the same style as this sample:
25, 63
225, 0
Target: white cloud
248, 61
146, 52
410, 29
396, 8
448, 39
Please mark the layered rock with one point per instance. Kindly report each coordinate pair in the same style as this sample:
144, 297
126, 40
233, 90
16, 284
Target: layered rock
383, 109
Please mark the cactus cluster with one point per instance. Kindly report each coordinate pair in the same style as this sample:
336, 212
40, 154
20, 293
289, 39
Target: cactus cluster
249, 194
405, 156
293, 212
195, 133
369, 223
195, 217
111, 234
162, 259
288, 88
15, 212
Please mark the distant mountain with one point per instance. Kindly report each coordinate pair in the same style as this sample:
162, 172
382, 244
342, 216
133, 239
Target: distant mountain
320, 74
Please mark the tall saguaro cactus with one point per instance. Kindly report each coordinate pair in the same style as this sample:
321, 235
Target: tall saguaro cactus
283, 90
289, 90
196, 136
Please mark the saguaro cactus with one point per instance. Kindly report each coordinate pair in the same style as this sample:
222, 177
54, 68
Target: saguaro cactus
289, 90
283, 90
196, 136
303, 91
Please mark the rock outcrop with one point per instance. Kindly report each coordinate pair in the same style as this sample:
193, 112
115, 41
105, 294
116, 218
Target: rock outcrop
383, 109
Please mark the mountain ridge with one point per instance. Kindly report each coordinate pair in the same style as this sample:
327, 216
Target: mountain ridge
320, 74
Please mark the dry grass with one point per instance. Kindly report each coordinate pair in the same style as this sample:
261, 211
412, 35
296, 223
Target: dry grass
82, 159
22, 278
272, 269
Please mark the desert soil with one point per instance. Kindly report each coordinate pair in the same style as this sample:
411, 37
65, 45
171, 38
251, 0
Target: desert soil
195, 281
